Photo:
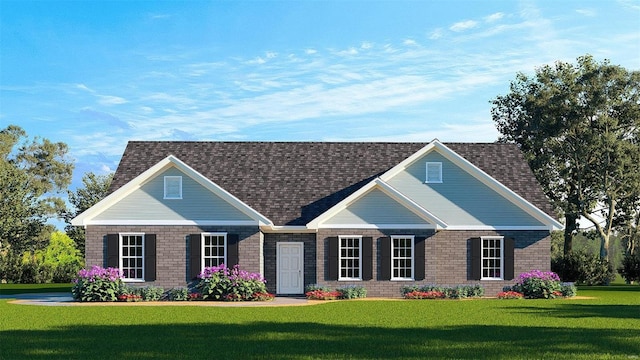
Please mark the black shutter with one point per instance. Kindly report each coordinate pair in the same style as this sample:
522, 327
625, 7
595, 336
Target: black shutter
476, 258
233, 257
195, 255
418, 257
509, 245
332, 257
367, 258
149, 257
113, 250
385, 258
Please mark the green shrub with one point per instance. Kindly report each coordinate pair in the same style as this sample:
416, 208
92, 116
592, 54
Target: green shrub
97, 284
449, 292
568, 289
630, 269
583, 268
314, 287
10, 267
178, 294
224, 284
352, 292
144, 293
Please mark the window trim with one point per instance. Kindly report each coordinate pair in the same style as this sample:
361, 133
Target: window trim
202, 247
120, 236
482, 258
340, 277
426, 180
168, 179
413, 257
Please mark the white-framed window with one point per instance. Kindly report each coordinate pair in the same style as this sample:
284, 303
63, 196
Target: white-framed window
402, 257
349, 257
173, 187
492, 257
434, 172
132, 256
214, 249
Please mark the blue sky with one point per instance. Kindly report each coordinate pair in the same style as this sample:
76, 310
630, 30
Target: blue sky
97, 74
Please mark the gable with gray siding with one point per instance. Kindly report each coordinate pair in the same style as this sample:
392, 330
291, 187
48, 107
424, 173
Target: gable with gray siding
148, 203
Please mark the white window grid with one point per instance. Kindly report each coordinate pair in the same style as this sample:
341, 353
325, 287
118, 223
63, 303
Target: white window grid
214, 249
434, 172
173, 187
402, 258
132, 256
492, 257
350, 257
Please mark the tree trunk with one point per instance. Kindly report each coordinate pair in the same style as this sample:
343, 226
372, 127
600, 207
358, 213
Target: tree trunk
569, 228
604, 247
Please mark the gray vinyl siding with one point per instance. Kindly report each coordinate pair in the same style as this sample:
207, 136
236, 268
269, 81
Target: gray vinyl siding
376, 207
460, 199
148, 203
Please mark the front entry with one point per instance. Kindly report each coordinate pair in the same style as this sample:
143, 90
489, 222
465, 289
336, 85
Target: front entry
290, 268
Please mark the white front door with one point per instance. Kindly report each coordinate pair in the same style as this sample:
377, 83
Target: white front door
290, 268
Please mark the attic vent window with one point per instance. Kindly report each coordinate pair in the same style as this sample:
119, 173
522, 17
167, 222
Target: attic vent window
434, 172
173, 187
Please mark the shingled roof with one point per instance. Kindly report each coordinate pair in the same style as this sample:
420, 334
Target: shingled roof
291, 183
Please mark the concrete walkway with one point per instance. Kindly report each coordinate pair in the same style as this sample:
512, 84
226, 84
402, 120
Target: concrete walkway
65, 299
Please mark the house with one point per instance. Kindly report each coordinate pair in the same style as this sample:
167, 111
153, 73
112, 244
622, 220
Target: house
380, 215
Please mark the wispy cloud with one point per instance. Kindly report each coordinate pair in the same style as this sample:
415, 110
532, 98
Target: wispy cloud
494, 17
463, 25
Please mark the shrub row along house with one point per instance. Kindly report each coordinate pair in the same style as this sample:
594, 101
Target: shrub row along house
378, 215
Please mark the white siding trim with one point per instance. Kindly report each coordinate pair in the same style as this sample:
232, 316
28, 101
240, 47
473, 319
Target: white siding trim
487, 227
376, 226
172, 222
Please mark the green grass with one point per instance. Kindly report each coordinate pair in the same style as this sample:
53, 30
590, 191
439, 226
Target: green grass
11, 289
605, 327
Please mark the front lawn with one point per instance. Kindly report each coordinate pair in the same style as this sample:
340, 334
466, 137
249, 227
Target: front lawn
605, 327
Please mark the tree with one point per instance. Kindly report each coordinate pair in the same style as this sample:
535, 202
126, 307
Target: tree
578, 127
95, 188
32, 173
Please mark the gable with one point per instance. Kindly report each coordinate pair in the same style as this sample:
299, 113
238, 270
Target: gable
375, 209
460, 199
148, 203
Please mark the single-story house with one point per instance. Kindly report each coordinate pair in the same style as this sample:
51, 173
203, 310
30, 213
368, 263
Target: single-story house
379, 215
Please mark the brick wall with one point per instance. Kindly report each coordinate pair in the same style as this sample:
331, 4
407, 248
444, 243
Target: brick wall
447, 258
172, 248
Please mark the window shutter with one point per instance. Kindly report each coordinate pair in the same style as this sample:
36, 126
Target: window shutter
113, 251
150, 257
476, 258
367, 258
332, 257
509, 246
419, 258
233, 257
195, 255
385, 258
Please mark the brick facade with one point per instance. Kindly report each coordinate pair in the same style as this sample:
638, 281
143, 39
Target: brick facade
172, 248
447, 254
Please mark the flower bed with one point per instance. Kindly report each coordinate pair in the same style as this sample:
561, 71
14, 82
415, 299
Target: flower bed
538, 284
424, 295
219, 283
510, 295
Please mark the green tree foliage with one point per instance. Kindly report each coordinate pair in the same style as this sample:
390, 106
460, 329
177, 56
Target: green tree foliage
95, 188
32, 174
578, 125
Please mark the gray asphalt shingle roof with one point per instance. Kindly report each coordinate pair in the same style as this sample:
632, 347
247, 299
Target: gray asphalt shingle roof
291, 183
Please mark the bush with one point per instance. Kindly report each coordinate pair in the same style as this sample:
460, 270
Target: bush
416, 295
97, 284
584, 268
10, 267
538, 285
146, 293
568, 289
352, 292
223, 284
322, 295
630, 269
314, 287
450, 292
178, 294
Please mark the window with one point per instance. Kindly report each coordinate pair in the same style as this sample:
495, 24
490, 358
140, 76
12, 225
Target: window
402, 258
173, 187
350, 257
492, 257
132, 256
434, 172
214, 249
